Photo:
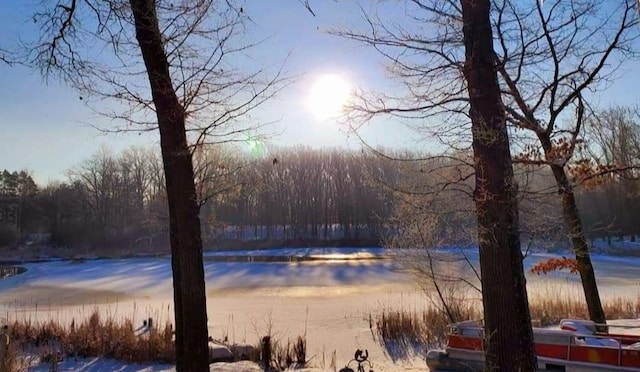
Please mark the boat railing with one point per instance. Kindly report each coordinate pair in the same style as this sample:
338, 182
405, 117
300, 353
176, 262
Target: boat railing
479, 324
628, 326
621, 345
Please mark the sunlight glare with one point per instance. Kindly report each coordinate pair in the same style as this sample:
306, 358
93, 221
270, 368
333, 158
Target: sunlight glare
328, 96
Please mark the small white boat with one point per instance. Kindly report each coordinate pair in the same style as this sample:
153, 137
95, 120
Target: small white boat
575, 347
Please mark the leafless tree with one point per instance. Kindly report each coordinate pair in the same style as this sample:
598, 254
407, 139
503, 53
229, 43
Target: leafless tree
549, 56
116, 194
430, 227
509, 342
167, 65
306, 194
613, 138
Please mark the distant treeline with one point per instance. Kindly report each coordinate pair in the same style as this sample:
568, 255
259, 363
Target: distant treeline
296, 196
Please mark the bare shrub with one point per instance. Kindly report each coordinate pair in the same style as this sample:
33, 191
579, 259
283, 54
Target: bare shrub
282, 356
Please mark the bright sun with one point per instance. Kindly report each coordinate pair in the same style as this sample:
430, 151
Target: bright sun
328, 95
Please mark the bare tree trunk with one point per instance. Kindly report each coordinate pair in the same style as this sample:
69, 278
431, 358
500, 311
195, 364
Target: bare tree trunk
576, 233
186, 242
581, 250
509, 339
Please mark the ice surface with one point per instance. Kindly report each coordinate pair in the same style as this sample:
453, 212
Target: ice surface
329, 301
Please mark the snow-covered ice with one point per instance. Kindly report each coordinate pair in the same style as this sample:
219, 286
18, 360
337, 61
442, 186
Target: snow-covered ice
329, 301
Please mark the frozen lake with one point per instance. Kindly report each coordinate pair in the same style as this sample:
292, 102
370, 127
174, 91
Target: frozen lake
358, 269
328, 298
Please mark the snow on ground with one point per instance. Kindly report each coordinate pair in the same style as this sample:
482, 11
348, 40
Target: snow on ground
108, 365
328, 301
103, 365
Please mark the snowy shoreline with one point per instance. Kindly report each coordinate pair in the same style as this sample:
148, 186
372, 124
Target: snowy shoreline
329, 302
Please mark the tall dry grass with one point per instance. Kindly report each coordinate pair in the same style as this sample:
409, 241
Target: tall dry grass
551, 303
98, 335
93, 336
406, 326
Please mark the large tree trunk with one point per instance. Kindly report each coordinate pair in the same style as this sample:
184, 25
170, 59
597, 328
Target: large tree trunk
192, 353
576, 233
508, 336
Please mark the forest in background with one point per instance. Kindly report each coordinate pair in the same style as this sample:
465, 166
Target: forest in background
302, 196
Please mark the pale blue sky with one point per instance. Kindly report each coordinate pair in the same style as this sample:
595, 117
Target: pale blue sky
44, 128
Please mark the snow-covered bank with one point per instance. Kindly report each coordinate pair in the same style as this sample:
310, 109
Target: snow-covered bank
107, 365
330, 302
